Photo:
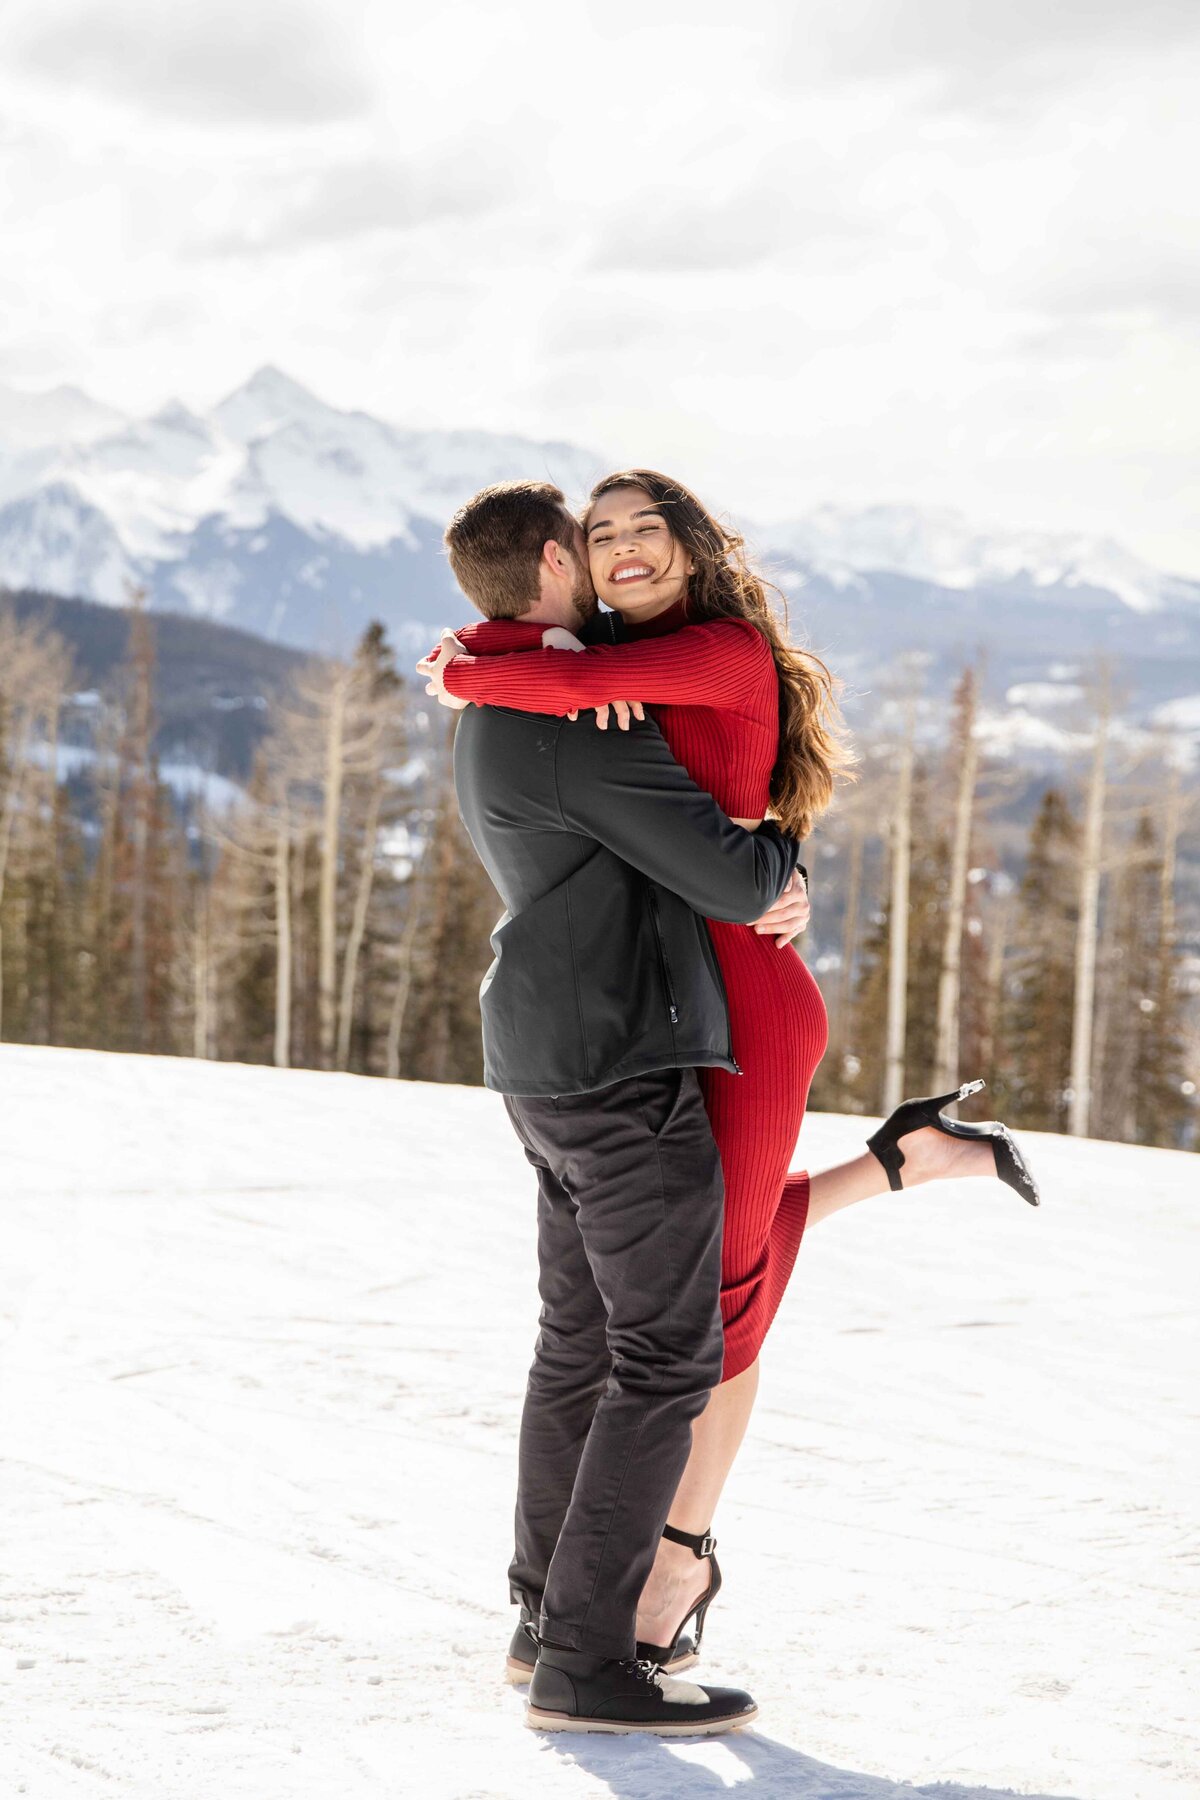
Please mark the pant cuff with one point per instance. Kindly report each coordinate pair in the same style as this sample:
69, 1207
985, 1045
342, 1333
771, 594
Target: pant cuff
584, 1639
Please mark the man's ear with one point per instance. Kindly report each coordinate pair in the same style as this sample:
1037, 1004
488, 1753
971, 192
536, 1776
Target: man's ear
555, 557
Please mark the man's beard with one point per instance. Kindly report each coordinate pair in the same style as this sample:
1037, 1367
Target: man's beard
583, 594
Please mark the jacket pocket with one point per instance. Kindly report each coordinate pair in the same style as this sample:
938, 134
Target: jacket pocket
664, 962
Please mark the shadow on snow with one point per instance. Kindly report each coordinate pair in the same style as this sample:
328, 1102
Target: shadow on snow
649, 1768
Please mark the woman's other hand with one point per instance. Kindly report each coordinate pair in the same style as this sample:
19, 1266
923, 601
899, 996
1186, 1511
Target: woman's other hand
790, 914
434, 669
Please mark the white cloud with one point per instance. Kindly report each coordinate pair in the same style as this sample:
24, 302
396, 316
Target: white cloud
940, 250
207, 60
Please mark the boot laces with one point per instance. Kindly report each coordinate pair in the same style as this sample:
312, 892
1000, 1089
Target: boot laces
642, 1669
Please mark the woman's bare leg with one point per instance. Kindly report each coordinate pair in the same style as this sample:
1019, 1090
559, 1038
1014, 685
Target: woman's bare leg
678, 1579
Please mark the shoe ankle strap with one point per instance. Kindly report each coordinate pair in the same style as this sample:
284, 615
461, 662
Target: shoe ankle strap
701, 1544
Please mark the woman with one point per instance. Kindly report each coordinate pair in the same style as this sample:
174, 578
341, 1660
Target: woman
753, 721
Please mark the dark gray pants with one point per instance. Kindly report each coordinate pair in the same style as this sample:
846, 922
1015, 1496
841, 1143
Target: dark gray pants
629, 1250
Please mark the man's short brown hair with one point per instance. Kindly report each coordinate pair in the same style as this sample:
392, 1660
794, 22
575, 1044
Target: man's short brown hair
496, 541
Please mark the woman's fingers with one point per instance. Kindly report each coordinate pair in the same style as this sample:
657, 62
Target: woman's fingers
621, 710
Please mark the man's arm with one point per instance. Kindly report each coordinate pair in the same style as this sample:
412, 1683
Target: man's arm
626, 790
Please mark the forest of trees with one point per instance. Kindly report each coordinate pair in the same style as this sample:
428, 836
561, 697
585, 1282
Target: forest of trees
336, 916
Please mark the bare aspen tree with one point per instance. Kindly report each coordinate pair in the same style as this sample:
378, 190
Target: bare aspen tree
897, 988
34, 672
1172, 823
965, 746
380, 695
997, 945
441, 873
332, 704
258, 840
50, 811
141, 783
281, 871
1079, 1110
404, 979
201, 976
845, 986
331, 819
358, 919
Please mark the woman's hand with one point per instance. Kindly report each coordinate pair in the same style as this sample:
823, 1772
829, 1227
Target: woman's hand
557, 637
434, 667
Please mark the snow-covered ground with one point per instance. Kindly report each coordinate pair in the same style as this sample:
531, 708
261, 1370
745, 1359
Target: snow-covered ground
263, 1341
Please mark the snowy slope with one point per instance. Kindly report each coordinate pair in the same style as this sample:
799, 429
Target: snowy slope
264, 1339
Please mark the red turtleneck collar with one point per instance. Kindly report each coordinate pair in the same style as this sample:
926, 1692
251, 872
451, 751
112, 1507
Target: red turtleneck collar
661, 624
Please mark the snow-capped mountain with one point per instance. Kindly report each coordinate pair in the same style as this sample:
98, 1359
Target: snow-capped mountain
52, 416
275, 511
301, 521
941, 545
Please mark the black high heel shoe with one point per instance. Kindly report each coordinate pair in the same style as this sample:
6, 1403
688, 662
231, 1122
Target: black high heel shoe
910, 1115
677, 1654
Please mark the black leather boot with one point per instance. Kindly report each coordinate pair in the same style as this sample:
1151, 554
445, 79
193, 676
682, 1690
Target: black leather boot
572, 1691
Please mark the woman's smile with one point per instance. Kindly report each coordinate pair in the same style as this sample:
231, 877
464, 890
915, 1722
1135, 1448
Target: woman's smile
636, 565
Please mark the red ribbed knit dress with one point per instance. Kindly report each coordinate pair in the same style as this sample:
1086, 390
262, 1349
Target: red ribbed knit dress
713, 690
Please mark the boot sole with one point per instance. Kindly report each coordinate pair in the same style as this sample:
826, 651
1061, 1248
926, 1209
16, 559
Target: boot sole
519, 1674
548, 1721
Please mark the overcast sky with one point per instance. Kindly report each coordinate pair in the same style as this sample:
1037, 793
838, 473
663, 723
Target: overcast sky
934, 250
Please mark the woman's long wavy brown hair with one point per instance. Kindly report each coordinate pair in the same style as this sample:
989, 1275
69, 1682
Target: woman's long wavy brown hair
813, 751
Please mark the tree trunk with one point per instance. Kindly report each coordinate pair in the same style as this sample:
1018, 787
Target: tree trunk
949, 977
403, 987
845, 986
1171, 828
1079, 1112
327, 882
358, 923
53, 873
18, 766
997, 945
283, 941
200, 978
141, 651
897, 992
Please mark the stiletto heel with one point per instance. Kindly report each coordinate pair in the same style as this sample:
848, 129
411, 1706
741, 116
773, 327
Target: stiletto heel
681, 1653
911, 1115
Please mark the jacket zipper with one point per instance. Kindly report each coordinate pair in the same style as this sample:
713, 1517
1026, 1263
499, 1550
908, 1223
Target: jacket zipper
662, 955
716, 962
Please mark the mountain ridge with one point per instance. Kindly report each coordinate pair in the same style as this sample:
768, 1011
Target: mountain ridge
298, 521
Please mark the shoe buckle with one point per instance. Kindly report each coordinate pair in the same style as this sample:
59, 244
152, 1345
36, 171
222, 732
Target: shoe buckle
708, 1544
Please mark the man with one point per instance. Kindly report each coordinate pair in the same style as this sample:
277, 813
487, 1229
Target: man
603, 998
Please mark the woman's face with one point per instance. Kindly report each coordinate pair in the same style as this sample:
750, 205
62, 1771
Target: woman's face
637, 567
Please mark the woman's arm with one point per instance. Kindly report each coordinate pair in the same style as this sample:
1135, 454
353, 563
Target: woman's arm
709, 664
499, 636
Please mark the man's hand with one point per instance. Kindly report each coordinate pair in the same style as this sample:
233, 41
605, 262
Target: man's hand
434, 667
790, 914
557, 637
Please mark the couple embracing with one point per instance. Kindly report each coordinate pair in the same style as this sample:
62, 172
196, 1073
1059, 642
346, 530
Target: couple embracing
654, 1034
